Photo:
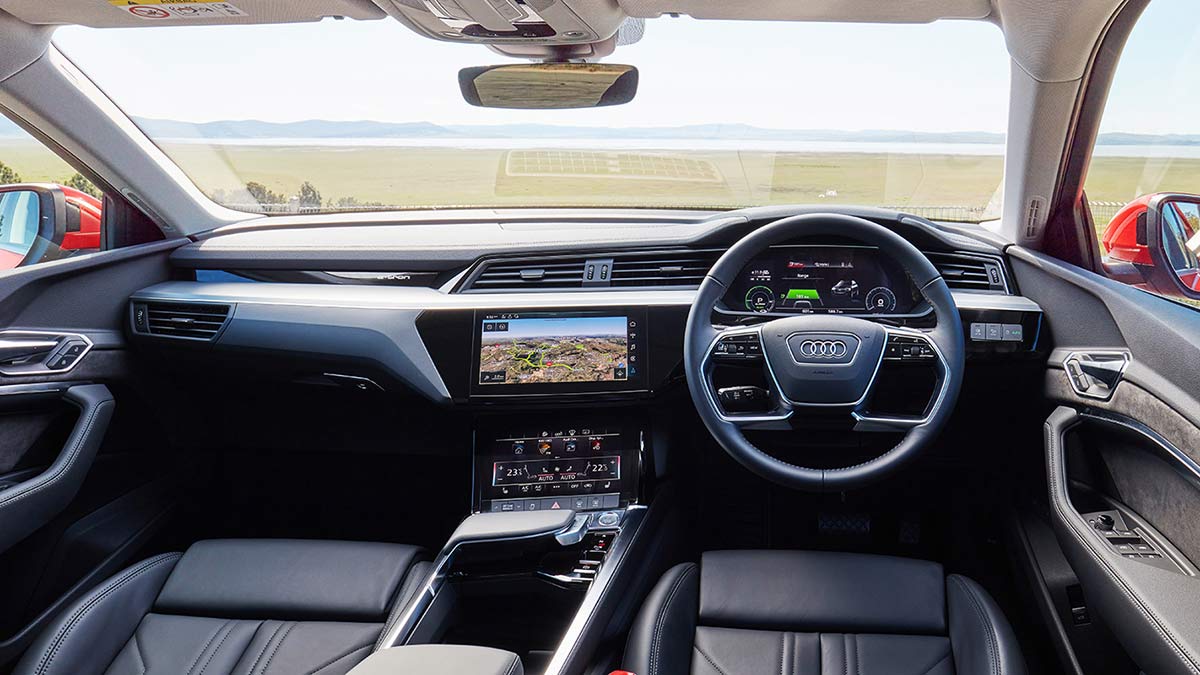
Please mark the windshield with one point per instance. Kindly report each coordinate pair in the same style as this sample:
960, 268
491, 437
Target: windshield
346, 115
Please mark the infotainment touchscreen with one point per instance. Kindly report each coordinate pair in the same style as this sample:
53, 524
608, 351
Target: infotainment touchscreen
532, 352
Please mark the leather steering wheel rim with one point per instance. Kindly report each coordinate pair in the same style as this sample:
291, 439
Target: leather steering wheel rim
947, 336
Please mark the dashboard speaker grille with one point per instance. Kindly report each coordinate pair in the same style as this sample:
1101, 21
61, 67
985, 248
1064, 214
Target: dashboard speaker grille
191, 321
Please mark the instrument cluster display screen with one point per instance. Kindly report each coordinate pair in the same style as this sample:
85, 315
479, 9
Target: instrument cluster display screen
531, 352
822, 279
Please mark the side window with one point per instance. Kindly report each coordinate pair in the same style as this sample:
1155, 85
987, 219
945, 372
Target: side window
1143, 183
48, 210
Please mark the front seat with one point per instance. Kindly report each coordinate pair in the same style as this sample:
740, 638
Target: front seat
234, 606
796, 613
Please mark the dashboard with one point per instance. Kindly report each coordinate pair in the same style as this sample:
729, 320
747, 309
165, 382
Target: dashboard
822, 279
600, 318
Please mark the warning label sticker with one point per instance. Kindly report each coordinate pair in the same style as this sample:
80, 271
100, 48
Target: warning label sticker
178, 9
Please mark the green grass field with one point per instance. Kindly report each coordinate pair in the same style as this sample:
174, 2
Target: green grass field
457, 177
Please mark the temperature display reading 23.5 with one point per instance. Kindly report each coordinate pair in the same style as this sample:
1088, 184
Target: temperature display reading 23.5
535, 471
822, 279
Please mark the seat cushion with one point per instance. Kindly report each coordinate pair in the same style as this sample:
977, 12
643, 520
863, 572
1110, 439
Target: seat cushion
244, 607
796, 613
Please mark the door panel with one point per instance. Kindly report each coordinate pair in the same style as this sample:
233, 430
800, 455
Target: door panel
27, 504
1123, 475
85, 477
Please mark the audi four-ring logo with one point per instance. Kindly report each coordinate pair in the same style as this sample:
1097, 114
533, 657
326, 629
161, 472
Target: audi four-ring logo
823, 349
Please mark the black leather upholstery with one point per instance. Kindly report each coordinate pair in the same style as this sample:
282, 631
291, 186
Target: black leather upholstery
231, 607
796, 613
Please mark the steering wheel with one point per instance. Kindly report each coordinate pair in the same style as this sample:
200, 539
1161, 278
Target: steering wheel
822, 362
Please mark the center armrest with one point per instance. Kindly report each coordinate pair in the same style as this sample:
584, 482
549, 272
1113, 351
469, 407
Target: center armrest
494, 526
440, 660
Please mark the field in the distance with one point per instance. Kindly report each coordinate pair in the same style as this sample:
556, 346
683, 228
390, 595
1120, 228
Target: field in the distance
403, 176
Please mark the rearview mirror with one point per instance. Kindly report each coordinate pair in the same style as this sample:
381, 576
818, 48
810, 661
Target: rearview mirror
548, 86
1173, 236
32, 223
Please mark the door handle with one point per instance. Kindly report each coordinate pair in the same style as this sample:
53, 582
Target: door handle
1095, 374
20, 349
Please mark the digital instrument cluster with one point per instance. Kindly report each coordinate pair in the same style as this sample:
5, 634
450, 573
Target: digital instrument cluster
822, 279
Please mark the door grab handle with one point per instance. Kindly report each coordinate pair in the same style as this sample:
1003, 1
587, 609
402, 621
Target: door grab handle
17, 349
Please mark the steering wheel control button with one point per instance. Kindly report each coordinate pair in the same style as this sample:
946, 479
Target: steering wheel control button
908, 348
744, 399
738, 348
818, 348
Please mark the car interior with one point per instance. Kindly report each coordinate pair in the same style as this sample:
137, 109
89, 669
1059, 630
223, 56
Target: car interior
259, 431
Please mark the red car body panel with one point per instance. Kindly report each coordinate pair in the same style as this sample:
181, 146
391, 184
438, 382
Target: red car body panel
91, 212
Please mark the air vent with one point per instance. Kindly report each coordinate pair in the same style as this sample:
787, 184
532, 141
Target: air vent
531, 274
685, 269
188, 321
970, 272
678, 268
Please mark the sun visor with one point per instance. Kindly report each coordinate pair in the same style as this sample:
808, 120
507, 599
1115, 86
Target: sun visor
149, 13
854, 11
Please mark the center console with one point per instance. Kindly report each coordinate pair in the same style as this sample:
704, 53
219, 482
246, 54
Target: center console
558, 530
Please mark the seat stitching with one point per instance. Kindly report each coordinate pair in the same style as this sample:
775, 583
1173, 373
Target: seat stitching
795, 653
57, 474
207, 644
262, 651
782, 651
709, 659
78, 614
656, 636
989, 633
334, 660
213, 653
845, 655
277, 646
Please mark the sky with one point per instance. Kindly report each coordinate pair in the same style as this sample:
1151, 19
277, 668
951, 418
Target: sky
945, 76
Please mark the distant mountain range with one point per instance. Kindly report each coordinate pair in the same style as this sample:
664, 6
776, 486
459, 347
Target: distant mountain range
328, 129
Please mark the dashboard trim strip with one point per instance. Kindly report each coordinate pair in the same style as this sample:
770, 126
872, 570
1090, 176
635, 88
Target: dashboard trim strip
383, 297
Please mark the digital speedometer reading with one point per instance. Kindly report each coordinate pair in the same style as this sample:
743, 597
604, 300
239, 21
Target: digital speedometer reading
760, 299
881, 300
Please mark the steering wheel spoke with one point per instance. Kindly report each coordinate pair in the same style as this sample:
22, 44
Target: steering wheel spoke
820, 363
908, 345
744, 405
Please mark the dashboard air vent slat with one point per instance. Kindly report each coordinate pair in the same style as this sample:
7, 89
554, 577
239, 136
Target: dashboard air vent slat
969, 272
683, 269
190, 321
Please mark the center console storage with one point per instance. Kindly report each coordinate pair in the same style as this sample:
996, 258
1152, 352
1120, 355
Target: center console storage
536, 570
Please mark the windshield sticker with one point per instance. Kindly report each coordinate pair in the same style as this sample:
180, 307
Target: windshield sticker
171, 9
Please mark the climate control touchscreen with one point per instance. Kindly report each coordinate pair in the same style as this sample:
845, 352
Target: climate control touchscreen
581, 468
